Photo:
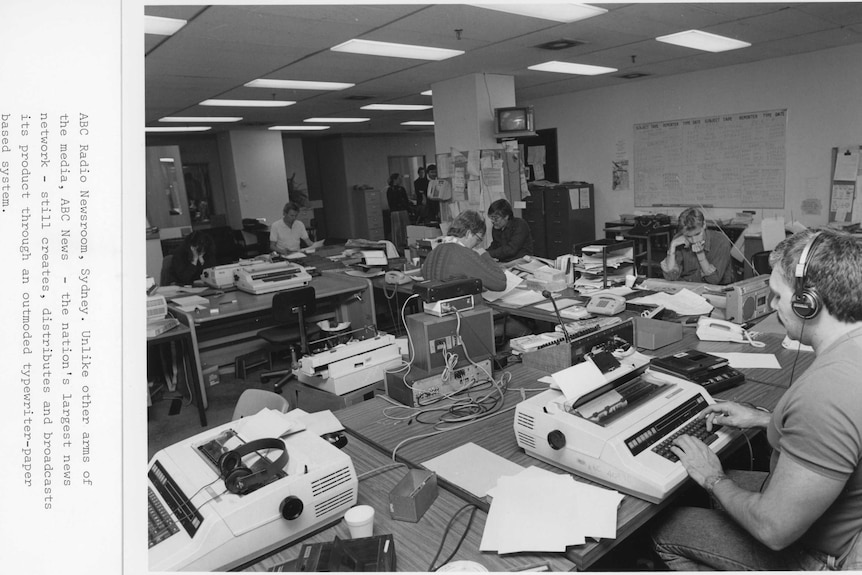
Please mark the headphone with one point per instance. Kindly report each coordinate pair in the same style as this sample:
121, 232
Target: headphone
807, 301
240, 479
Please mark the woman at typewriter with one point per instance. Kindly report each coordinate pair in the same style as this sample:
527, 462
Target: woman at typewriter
191, 257
697, 254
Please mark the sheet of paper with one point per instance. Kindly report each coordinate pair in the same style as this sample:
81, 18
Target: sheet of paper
579, 379
683, 302
751, 360
374, 257
295, 256
772, 232
562, 304
521, 297
512, 281
472, 468
191, 300
846, 165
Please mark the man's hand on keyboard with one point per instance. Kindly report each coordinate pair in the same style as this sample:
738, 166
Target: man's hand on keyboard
734, 415
698, 459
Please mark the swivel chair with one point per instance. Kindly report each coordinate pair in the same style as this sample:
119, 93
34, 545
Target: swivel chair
289, 309
253, 400
760, 263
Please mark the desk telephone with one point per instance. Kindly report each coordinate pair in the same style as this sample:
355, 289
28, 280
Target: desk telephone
711, 329
395, 277
606, 304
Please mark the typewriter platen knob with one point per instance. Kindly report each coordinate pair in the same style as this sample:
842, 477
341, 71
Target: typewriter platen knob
291, 507
556, 439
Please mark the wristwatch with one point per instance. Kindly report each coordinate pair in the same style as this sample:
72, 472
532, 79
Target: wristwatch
712, 481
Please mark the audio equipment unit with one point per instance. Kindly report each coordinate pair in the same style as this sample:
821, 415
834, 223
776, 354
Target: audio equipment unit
435, 290
468, 334
419, 387
748, 299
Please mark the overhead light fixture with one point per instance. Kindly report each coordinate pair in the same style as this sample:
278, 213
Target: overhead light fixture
568, 12
392, 50
299, 128
178, 129
395, 107
162, 26
561, 44
703, 41
297, 84
571, 68
418, 123
188, 119
249, 103
338, 120
425, 93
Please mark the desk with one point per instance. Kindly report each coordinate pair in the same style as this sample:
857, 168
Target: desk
229, 325
191, 368
763, 387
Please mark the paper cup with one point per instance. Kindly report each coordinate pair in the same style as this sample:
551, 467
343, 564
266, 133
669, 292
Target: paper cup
360, 521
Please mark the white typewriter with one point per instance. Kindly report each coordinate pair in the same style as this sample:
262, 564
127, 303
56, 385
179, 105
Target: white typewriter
269, 277
198, 523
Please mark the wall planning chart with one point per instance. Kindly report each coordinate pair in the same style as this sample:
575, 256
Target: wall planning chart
724, 161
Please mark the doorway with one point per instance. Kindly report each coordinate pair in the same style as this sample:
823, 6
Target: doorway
408, 167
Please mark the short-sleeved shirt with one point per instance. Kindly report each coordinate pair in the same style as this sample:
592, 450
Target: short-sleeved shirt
717, 248
818, 424
288, 238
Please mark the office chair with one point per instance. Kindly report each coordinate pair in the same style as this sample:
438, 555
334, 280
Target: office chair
253, 400
760, 262
289, 309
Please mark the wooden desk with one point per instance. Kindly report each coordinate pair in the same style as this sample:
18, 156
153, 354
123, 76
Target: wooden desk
229, 325
495, 433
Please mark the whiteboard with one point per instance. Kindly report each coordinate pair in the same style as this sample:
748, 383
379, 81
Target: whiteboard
726, 161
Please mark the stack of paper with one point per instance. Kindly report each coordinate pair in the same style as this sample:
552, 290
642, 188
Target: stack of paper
191, 303
541, 511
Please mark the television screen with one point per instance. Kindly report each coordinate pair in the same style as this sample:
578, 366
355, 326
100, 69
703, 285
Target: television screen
516, 119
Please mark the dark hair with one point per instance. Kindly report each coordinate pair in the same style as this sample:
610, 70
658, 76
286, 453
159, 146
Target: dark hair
500, 208
834, 269
420, 171
290, 207
393, 178
467, 221
201, 241
689, 219
430, 167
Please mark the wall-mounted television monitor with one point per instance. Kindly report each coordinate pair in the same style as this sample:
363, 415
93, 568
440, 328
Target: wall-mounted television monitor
514, 120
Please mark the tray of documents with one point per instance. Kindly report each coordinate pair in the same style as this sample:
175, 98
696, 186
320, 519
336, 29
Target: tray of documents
619, 434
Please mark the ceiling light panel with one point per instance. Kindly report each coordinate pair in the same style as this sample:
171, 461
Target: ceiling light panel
396, 107
337, 120
162, 26
177, 129
566, 12
392, 50
189, 119
571, 68
297, 84
307, 128
418, 123
248, 103
700, 40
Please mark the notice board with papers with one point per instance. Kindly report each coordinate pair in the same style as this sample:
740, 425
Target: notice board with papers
723, 161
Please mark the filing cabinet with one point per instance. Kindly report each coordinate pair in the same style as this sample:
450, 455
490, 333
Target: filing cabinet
560, 216
368, 213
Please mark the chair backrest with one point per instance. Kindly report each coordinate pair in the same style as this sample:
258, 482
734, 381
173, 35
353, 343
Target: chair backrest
165, 274
296, 302
760, 262
253, 400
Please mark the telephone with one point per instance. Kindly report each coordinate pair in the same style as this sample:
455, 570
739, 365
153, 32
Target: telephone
606, 304
397, 278
710, 329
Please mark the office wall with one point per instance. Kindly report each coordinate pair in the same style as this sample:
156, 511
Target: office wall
820, 90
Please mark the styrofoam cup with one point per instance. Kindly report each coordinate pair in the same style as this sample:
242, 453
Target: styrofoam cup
360, 521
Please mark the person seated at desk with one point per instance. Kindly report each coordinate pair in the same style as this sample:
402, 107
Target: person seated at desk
806, 513
461, 255
288, 234
511, 236
190, 258
697, 254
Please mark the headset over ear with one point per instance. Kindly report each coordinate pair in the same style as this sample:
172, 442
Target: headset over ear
240, 479
807, 302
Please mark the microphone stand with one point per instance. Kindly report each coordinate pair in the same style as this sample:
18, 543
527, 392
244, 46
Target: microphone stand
550, 296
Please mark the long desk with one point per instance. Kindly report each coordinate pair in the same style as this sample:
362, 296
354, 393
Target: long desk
367, 422
229, 325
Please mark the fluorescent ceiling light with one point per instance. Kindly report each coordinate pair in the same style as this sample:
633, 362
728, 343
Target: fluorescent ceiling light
187, 119
567, 12
299, 128
179, 129
162, 26
571, 68
374, 48
703, 41
249, 103
418, 123
338, 120
389, 107
425, 93
166, 160
297, 84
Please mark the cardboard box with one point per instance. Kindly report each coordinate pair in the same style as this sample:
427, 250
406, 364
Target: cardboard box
655, 333
413, 495
211, 375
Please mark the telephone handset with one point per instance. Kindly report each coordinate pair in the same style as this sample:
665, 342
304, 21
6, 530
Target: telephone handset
394, 277
711, 329
606, 304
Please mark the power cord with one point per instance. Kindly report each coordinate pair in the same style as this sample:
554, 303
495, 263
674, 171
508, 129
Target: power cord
433, 566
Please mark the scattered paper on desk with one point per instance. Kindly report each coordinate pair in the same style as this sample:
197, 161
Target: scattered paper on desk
739, 359
521, 297
683, 302
512, 281
295, 256
579, 379
562, 304
171, 291
472, 468
191, 303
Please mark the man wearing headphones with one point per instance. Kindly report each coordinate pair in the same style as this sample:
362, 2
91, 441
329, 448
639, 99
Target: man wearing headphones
806, 513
